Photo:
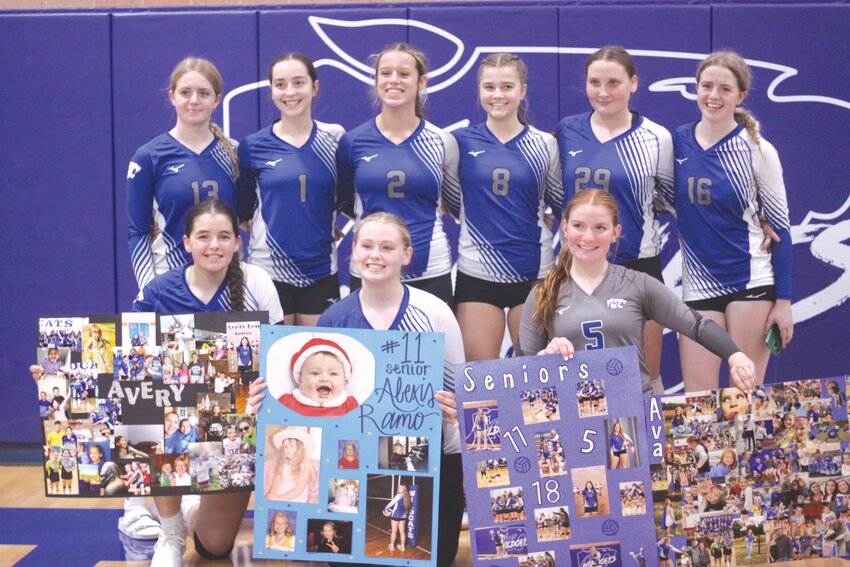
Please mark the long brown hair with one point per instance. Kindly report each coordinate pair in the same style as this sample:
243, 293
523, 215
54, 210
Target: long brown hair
421, 69
744, 77
558, 276
497, 60
235, 277
210, 72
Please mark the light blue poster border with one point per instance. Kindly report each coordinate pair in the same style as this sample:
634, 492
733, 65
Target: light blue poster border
395, 425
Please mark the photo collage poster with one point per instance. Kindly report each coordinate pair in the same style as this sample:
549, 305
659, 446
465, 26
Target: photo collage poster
140, 404
348, 446
555, 459
751, 477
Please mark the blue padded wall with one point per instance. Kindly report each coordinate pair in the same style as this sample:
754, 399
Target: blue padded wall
82, 91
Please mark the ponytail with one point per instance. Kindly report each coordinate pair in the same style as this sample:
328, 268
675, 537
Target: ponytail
549, 288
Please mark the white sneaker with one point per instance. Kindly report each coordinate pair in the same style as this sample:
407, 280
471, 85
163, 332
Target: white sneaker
170, 547
138, 524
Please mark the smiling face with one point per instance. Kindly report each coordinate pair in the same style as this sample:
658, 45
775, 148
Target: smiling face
322, 377
589, 231
398, 80
281, 523
328, 531
718, 94
185, 426
608, 87
171, 422
231, 433
733, 402
292, 89
500, 91
380, 252
212, 243
194, 99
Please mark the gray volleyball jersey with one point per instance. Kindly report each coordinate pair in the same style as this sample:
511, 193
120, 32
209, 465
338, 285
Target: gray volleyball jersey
614, 315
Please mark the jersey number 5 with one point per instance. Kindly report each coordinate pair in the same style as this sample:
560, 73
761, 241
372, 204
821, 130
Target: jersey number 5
397, 180
592, 332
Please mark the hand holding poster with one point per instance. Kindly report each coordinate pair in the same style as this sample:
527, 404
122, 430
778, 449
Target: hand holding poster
349, 446
554, 458
139, 404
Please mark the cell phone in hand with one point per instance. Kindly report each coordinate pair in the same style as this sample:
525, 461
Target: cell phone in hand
773, 340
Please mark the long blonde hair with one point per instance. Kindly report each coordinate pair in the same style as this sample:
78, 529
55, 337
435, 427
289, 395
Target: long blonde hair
558, 276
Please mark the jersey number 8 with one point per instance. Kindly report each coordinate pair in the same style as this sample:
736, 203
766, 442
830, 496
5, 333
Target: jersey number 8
501, 179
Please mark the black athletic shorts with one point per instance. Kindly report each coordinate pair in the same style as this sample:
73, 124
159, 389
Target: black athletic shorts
503, 295
764, 293
649, 266
441, 286
310, 300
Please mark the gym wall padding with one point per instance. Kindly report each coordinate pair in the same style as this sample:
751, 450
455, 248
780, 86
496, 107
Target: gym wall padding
83, 90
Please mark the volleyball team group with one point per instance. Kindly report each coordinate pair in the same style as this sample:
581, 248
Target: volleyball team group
606, 173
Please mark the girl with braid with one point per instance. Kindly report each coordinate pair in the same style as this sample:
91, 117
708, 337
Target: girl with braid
192, 162
214, 281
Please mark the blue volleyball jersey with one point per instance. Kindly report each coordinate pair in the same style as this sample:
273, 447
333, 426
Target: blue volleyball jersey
719, 193
170, 293
290, 193
636, 168
413, 179
420, 312
166, 179
505, 189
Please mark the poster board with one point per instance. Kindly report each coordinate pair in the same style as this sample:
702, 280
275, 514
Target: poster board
541, 475
760, 476
139, 404
349, 423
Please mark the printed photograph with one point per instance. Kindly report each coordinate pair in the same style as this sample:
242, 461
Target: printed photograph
539, 405
291, 472
481, 424
320, 374
403, 453
553, 524
398, 516
492, 472
590, 395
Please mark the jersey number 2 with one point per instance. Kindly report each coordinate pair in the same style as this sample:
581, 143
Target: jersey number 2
397, 179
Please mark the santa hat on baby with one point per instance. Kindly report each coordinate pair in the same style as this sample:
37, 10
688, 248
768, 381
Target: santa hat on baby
313, 346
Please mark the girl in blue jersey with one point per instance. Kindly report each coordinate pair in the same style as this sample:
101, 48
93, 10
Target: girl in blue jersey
616, 149
726, 176
191, 162
399, 163
397, 510
287, 185
382, 247
215, 281
509, 173
620, 445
